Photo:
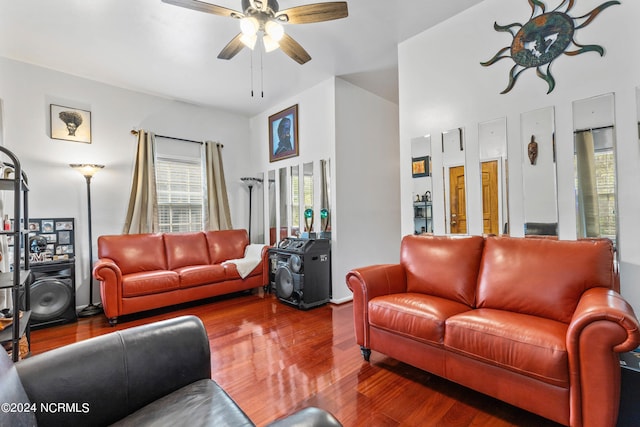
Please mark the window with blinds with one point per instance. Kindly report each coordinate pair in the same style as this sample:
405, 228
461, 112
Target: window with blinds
180, 186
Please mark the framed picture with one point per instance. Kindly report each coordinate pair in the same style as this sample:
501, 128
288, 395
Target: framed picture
283, 134
420, 166
70, 124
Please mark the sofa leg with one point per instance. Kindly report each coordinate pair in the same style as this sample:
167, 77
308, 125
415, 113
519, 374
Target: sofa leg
366, 353
113, 321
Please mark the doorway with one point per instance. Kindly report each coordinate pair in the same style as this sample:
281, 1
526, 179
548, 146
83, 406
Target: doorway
457, 200
490, 210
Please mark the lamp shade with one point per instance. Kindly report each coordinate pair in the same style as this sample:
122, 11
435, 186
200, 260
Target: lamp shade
87, 170
269, 43
275, 30
249, 26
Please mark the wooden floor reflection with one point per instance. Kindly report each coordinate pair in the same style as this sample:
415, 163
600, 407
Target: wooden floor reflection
273, 359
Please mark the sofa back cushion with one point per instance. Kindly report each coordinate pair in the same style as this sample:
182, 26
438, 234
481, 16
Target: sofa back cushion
226, 244
185, 249
542, 277
442, 266
134, 253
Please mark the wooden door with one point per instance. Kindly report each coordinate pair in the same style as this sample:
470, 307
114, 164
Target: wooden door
457, 200
490, 217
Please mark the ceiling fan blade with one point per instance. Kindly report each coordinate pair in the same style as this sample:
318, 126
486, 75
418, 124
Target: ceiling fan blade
232, 48
205, 7
292, 48
317, 12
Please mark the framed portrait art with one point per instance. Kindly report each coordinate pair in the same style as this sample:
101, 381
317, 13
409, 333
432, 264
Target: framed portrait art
420, 166
70, 124
283, 134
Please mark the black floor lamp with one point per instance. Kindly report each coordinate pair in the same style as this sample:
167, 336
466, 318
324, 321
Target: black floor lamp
88, 170
250, 182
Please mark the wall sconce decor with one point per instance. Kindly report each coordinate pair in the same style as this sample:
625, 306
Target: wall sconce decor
543, 38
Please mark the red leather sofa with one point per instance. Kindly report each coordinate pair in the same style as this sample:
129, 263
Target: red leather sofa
139, 272
537, 323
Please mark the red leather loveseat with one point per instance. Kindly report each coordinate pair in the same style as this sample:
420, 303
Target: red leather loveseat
534, 322
139, 272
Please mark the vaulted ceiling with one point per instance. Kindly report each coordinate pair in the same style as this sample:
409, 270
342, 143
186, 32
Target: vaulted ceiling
161, 49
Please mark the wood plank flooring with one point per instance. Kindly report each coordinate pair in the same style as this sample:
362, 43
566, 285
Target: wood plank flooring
273, 359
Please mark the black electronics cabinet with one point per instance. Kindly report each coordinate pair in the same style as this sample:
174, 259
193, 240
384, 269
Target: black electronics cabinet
300, 272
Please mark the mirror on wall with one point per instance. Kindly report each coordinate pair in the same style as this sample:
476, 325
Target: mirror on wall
325, 198
295, 201
283, 203
421, 168
638, 110
595, 167
257, 236
539, 172
492, 146
271, 194
455, 191
307, 195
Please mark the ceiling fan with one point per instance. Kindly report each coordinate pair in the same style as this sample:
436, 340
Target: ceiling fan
265, 16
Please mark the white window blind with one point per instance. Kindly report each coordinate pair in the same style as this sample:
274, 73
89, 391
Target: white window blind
180, 185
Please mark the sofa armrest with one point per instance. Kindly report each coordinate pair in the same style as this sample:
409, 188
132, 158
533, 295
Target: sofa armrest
367, 283
110, 276
307, 417
602, 326
106, 378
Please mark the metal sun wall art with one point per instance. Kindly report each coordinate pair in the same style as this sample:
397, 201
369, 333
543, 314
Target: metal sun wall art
543, 38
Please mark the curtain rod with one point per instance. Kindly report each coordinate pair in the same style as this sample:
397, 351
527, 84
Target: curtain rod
135, 132
590, 129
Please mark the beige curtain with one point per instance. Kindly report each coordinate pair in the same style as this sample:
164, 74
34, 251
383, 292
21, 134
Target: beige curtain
217, 214
587, 194
142, 214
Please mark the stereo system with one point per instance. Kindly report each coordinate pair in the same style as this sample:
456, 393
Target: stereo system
52, 296
300, 272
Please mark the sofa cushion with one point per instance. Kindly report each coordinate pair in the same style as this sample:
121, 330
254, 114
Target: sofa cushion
186, 249
153, 282
417, 316
226, 244
529, 345
202, 403
442, 266
134, 253
196, 275
542, 277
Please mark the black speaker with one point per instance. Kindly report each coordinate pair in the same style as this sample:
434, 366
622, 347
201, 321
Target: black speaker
53, 294
301, 272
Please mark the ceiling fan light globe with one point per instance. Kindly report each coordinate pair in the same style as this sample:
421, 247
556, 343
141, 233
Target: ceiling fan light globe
249, 41
249, 26
269, 43
275, 30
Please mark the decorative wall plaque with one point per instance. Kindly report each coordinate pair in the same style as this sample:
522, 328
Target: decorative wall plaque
543, 38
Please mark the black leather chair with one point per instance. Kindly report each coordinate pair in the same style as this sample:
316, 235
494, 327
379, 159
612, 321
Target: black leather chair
155, 374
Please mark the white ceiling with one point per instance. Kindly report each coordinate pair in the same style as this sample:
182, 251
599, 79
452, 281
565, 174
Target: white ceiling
165, 50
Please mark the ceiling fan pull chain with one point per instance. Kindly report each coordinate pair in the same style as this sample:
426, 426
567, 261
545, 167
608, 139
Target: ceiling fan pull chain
261, 74
251, 55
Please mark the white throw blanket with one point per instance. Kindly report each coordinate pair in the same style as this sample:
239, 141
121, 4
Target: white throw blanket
252, 257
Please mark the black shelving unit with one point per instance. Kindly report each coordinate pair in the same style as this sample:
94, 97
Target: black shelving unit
18, 278
423, 217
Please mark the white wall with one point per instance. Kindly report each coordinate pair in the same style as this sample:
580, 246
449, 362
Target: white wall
443, 86
358, 132
367, 199
58, 191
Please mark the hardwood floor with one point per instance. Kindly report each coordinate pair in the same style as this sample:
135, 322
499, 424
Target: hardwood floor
273, 359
